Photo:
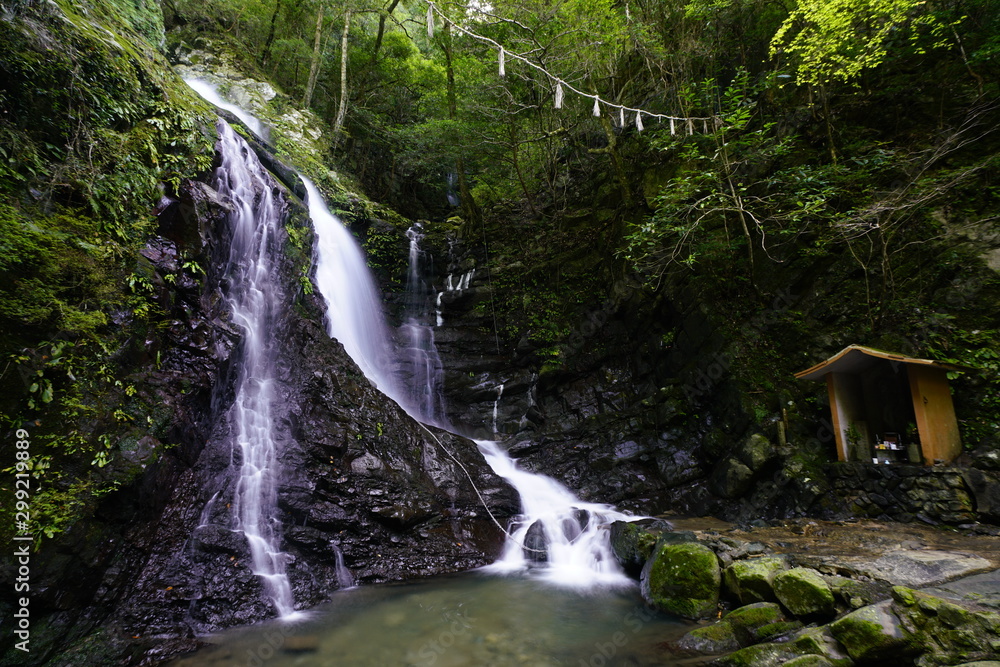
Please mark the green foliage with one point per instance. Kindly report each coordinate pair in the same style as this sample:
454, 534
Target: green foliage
93, 127
836, 40
714, 189
979, 351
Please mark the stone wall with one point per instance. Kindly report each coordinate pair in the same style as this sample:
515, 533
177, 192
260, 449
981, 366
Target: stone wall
908, 493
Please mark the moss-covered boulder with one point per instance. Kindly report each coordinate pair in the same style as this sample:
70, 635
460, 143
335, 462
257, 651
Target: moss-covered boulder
812, 646
855, 593
948, 633
804, 593
741, 627
761, 655
808, 661
731, 478
758, 622
751, 580
819, 641
755, 451
716, 638
632, 542
682, 579
874, 633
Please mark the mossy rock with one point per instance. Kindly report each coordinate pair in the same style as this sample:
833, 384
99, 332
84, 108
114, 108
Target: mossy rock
682, 579
632, 542
747, 620
751, 580
761, 655
855, 594
819, 641
814, 646
716, 638
739, 628
809, 661
731, 478
804, 593
755, 451
874, 633
773, 631
948, 632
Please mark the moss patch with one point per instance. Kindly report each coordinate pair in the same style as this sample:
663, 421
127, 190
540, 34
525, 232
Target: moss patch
682, 579
804, 592
874, 633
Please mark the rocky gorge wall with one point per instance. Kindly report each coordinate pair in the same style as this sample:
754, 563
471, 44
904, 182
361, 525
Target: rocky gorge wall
647, 403
362, 485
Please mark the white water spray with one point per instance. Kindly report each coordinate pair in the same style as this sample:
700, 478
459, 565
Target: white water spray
353, 303
496, 406
573, 534
210, 93
254, 297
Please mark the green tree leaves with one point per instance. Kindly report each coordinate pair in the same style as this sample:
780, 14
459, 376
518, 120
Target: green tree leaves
835, 40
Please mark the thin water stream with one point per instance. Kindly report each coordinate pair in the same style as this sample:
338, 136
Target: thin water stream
254, 298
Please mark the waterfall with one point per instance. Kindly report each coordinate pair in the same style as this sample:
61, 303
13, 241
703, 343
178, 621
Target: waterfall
496, 406
419, 360
254, 298
557, 528
211, 94
353, 303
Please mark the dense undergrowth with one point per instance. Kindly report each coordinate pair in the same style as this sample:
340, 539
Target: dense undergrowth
95, 131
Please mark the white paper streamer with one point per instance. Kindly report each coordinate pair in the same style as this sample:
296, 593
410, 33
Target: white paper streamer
559, 95
503, 71
621, 117
638, 121
673, 130
430, 21
597, 106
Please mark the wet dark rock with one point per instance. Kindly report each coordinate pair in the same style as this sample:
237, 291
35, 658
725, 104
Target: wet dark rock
731, 478
985, 489
536, 543
358, 477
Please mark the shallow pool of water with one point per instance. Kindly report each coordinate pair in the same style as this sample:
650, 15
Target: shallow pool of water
458, 621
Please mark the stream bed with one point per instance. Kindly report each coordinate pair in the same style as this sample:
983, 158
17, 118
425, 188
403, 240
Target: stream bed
460, 620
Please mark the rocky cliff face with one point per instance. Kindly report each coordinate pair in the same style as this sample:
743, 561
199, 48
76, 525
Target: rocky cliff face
362, 484
662, 402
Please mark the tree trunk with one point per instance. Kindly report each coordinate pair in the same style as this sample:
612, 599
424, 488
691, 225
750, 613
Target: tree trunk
314, 63
265, 54
381, 28
338, 124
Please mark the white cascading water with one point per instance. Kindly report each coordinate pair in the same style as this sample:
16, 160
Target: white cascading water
353, 303
211, 94
574, 534
419, 361
254, 297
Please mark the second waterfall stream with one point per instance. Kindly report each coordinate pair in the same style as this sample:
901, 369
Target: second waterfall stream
557, 535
